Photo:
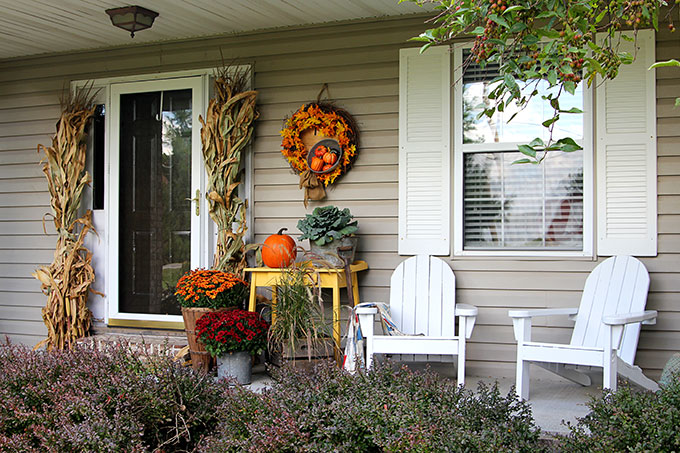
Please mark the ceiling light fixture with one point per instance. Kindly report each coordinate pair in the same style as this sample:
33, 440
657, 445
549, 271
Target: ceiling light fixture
132, 18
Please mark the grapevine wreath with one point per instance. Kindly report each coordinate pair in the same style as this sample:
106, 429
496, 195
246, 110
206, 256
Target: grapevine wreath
312, 124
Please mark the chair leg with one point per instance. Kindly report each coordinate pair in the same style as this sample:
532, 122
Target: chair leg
369, 352
461, 362
609, 374
522, 379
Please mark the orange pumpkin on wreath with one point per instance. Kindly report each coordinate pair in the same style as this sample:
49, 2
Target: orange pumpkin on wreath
309, 125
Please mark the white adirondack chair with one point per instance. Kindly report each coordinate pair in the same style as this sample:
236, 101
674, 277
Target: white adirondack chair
605, 333
423, 306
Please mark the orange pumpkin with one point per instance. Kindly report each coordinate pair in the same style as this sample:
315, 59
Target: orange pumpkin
330, 158
279, 250
320, 151
317, 164
327, 167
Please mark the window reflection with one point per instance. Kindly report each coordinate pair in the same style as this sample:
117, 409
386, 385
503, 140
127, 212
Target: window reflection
523, 207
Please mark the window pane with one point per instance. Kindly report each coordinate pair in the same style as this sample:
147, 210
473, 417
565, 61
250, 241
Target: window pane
527, 124
523, 207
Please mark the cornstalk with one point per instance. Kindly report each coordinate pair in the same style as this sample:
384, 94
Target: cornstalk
227, 130
67, 281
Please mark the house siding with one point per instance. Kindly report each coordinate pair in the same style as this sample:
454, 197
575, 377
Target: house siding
360, 63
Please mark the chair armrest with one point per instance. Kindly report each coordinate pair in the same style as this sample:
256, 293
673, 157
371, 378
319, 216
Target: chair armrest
466, 310
366, 310
542, 312
645, 317
468, 317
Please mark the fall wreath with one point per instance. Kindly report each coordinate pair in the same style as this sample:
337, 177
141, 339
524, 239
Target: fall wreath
308, 126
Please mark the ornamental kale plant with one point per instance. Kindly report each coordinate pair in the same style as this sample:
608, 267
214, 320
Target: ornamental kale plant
232, 331
326, 224
210, 288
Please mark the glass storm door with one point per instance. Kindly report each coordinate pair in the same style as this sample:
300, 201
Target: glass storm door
156, 169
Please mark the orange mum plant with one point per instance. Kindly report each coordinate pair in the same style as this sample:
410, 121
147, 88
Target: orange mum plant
210, 288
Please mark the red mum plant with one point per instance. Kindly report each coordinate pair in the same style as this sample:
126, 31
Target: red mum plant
210, 288
232, 331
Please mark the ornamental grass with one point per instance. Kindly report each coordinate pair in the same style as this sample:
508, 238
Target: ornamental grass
211, 288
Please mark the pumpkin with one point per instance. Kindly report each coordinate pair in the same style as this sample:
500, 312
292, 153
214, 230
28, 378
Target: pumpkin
327, 167
279, 250
330, 158
317, 164
320, 151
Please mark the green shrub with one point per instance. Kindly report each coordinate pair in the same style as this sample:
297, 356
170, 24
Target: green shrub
98, 401
629, 420
385, 410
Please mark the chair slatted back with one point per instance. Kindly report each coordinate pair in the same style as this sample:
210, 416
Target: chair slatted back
422, 297
618, 285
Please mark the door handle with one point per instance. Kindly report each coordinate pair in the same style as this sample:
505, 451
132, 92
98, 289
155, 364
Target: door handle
197, 200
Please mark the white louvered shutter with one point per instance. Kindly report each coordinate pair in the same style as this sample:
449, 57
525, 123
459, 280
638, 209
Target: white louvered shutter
424, 151
626, 156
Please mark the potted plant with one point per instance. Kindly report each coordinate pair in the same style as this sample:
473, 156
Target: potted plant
204, 290
233, 337
299, 328
327, 229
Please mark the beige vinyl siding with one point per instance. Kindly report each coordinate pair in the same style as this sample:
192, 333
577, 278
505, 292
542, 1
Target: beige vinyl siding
360, 63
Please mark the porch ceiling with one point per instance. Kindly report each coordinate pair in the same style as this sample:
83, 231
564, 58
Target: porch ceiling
29, 27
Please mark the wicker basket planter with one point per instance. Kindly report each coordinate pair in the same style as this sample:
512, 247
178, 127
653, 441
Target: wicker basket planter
200, 358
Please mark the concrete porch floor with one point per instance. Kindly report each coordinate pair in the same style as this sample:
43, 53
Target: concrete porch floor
554, 401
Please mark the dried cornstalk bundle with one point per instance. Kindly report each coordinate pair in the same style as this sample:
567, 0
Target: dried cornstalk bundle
227, 130
67, 281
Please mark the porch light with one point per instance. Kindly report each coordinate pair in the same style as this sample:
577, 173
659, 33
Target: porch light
132, 18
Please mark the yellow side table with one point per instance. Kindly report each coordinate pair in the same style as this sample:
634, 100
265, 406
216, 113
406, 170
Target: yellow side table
330, 278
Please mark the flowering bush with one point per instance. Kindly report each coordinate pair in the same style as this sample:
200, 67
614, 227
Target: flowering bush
232, 331
87, 400
210, 288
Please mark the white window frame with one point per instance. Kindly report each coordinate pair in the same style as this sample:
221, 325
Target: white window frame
458, 174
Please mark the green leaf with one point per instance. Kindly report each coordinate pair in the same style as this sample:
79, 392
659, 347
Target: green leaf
517, 26
425, 47
499, 20
513, 8
537, 142
510, 82
677, 102
600, 16
567, 145
546, 14
552, 77
530, 40
478, 31
665, 64
550, 121
572, 110
527, 150
570, 87
523, 161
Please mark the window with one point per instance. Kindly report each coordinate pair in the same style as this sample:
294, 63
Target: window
506, 210
518, 209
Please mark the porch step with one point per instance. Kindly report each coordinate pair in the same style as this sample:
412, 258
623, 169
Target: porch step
147, 341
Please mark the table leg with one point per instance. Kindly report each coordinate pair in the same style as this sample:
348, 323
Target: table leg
355, 288
336, 312
253, 292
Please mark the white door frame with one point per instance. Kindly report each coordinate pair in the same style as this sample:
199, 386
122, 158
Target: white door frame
198, 223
